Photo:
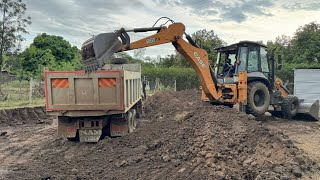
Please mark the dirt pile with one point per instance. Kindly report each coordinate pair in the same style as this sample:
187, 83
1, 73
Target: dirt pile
20, 116
180, 138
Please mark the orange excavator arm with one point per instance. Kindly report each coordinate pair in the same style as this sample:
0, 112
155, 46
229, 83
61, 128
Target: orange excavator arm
174, 33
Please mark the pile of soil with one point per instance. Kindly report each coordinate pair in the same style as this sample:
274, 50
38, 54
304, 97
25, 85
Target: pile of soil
26, 115
180, 138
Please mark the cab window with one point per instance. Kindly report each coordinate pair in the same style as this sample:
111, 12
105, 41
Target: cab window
253, 59
243, 59
264, 60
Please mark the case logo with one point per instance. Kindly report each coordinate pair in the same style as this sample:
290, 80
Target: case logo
199, 60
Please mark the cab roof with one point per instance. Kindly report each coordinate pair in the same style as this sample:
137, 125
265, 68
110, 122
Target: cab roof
234, 47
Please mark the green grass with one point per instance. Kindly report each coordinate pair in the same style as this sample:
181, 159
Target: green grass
17, 95
22, 103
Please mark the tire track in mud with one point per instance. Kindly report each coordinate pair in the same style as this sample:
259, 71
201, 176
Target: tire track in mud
27, 129
22, 144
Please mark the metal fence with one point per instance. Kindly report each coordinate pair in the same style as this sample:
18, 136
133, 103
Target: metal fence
173, 85
14, 91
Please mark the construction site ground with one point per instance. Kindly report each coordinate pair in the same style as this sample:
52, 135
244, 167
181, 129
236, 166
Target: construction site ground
179, 137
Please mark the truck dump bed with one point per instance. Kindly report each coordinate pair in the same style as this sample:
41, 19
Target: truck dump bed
110, 91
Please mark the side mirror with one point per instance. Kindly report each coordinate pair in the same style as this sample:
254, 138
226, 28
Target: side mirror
279, 62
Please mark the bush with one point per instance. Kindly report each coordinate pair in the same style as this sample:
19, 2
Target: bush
186, 77
287, 72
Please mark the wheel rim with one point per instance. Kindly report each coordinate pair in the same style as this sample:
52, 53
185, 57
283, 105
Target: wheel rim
259, 98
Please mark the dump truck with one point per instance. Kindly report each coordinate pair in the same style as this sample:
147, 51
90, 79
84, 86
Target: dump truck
90, 106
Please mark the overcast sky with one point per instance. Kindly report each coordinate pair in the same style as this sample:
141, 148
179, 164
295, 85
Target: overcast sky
232, 20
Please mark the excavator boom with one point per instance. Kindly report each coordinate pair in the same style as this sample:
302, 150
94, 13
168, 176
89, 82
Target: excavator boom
98, 50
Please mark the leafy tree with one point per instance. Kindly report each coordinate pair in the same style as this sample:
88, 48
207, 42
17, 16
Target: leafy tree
208, 40
168, 61
35, 60
302, 51
45, 52
139, 53
282, 46
13, 23
306, 44
60, 48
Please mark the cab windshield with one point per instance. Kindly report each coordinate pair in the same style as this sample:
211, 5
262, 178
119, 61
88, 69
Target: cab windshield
226, 62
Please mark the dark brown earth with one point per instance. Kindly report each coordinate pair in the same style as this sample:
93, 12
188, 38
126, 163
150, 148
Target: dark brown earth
20, 116
180, 137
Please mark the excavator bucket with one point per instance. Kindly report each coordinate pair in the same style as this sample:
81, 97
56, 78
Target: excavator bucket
99, 49
309, 108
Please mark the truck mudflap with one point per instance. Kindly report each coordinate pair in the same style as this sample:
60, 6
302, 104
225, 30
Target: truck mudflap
118, 127
67, 128
127, 123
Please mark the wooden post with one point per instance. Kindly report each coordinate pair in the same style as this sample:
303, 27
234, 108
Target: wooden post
30, 91
175, 85
157, 86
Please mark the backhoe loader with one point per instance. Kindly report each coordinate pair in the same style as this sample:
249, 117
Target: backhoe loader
251, 82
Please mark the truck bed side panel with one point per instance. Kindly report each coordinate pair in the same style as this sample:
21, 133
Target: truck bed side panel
132, 88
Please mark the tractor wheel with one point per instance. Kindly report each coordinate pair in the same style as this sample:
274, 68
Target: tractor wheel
119, 61
258, 99
289, 106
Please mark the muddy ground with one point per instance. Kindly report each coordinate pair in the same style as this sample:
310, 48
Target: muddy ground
180, 137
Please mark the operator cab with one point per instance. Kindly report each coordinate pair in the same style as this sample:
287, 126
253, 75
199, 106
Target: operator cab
247, 56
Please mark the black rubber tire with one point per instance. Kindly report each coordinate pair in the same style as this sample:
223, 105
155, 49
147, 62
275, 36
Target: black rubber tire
258, 98
130, 123
289, 106
139, 109
118, 61
229, 105
134, 118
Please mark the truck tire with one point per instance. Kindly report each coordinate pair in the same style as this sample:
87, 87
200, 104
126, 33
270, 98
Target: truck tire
139, 109
130, 123
258, 98
134, 119
76, 138
118, 61
289, 106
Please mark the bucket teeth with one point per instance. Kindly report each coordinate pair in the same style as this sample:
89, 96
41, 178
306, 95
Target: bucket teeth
91, 68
